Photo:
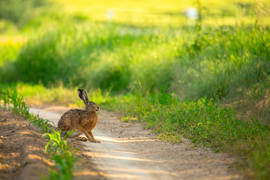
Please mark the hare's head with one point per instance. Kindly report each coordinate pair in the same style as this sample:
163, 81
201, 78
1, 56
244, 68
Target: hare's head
89, 105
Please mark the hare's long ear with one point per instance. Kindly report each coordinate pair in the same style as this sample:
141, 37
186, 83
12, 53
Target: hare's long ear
82, 94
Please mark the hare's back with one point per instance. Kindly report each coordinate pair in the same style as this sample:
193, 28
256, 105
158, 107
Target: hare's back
66, 118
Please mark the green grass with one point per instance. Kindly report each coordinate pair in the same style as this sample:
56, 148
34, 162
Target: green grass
215, 62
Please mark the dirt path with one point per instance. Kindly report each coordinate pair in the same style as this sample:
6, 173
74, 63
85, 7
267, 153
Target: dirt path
127, 151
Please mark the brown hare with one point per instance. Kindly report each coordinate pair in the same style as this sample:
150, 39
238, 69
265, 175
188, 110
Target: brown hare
83, 121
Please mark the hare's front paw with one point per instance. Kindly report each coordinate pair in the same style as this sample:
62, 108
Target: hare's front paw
96, 141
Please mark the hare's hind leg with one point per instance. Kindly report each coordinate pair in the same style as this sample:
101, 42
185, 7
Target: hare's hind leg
89, 137
72, 135
76, 135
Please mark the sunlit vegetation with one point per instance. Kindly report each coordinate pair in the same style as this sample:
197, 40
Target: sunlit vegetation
206, 79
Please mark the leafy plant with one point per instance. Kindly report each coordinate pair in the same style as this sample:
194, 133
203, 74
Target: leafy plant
61, 153
64, 166
56, 145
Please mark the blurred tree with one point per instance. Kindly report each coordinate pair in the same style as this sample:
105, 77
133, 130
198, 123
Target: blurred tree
19, 11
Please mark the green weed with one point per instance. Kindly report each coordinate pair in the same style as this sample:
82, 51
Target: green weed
62, 154
64, 166
56, 145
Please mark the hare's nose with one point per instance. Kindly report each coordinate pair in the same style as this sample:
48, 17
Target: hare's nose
98, 108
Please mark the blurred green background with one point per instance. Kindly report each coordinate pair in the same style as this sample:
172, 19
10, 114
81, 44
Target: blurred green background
113, 45
149, 60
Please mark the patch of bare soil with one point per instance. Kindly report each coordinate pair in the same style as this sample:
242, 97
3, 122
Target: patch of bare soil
22, 156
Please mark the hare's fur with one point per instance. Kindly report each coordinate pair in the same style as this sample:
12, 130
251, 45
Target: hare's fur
83, 121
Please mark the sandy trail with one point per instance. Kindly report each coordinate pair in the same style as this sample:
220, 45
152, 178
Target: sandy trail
127, 151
